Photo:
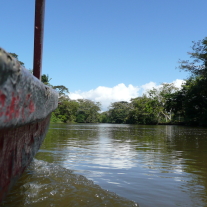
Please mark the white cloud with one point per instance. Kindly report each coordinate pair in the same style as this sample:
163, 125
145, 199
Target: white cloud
148, 86
178, 83
120, 92
106, 95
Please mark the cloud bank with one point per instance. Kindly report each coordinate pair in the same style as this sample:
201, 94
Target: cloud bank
120, 92
148, 86
106, 95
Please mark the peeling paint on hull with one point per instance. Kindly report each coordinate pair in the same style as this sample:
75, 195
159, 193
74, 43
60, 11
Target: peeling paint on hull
26, 105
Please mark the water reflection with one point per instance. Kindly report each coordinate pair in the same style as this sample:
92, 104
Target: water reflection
108, 152
123, 157
152, 165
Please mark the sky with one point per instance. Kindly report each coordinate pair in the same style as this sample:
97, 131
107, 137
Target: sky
106, 50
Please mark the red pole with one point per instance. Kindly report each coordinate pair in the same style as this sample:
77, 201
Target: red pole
38, 37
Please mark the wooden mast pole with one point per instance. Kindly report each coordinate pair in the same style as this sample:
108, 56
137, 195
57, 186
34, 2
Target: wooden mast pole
38, 37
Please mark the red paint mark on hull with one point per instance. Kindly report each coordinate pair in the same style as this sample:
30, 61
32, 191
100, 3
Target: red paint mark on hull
17, 148
2, 99
17, 108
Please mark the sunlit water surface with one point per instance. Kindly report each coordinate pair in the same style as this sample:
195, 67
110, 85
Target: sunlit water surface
116, 165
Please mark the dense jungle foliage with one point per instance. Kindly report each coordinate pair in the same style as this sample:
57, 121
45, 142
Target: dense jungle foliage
166, 104
163, 105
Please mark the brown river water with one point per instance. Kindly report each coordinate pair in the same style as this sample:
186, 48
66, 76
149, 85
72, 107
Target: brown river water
116, 165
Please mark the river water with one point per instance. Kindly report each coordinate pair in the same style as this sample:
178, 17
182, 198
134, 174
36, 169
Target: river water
116, 165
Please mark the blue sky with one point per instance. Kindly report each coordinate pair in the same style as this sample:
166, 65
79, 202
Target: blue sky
109, 48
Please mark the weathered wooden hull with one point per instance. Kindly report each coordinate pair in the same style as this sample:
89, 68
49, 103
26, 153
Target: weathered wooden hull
17, 149
25, 109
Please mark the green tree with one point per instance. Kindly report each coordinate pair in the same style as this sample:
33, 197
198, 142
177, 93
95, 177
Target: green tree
119, 111
63, 91
191, 100
158, 102
142, 111
88, 111
66, 108
104, 117
198, 65
45, 79
66, 111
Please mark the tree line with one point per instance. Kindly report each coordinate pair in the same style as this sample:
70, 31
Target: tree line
169, 104
166, 104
